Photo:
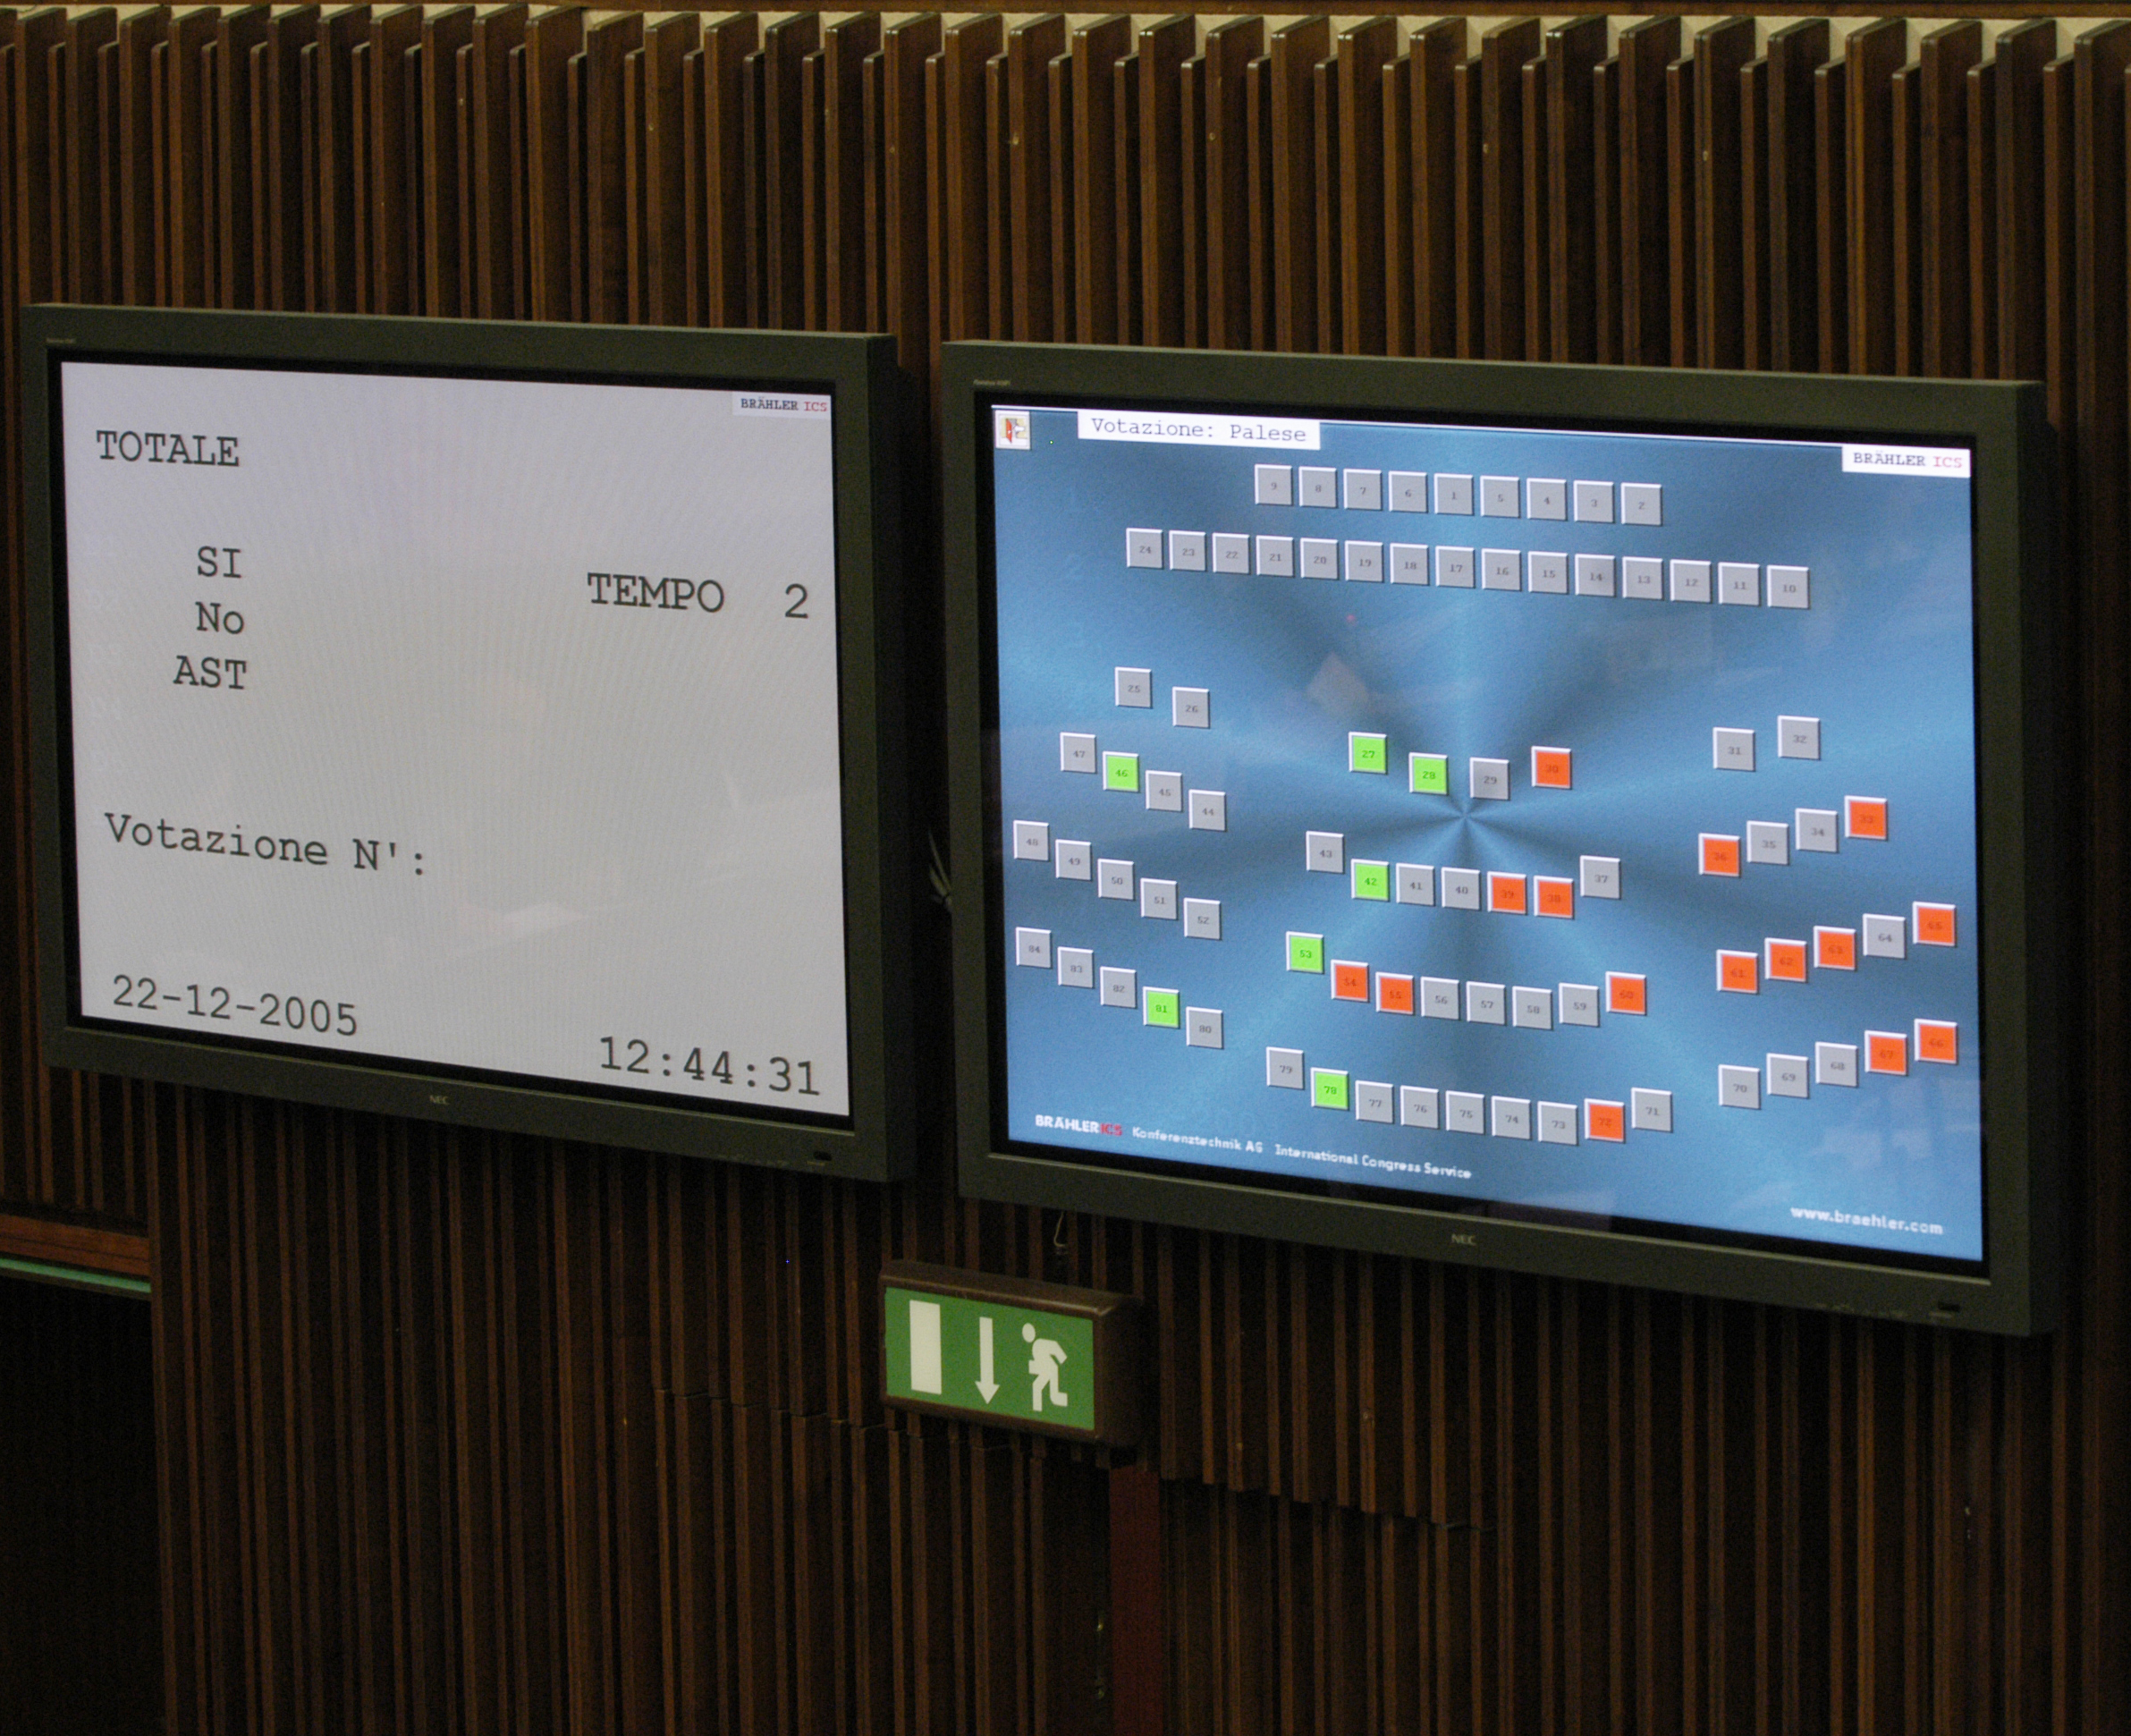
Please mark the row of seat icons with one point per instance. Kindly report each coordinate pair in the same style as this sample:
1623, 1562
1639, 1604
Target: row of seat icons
1118, 985
1459, 492
1646, 1109
1557, 572
1474, 1002
1936, 1041
1741, 971
1502, 893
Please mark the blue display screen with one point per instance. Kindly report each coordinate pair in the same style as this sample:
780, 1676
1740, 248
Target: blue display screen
1566, 821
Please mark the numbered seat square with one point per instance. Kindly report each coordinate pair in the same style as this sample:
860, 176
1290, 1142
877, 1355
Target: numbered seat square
1720, 853
1784, 960
1554, 896
1627, 992
1864, 817
1886, 1052
1604, 1119
1834, 949
1349, 981
1551, 768
1393, 993
1938, 1040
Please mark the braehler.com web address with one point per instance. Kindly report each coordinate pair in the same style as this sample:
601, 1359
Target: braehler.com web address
1869, 1221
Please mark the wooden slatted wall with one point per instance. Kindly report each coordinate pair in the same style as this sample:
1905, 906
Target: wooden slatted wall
478, 1433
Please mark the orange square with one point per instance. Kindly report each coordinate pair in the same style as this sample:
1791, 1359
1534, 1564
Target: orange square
1555, 897
1624, 993
1886, 1052
1786, 961
1933, 925
1736, 973
1835, 949
1604, 1121
1506, 894
1864, 817
1549, 769
1720, 854
1938, 1039
1349, 982
1393, 993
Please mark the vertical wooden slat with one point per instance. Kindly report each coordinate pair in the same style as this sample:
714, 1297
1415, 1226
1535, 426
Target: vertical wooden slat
1645, 50
1230, 46
1573, 51
1364, 51
1503, 51
1872, 55
1721, 50
1295, 50
1162, 50
443, 284
1756, 268
1794, 259
1031, 48
1433, 55
2022, 52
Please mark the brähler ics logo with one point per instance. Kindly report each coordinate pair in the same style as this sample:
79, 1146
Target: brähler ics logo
1009, 429
1074, 1124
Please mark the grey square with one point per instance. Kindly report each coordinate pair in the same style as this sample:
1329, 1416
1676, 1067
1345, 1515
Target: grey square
1732, 749
1643, 577
1885, 937
1276, 557
1490, 780
1601, 876
1032, 840
1419, 1106
1594, 575
1188, 708
1276, 485
1324, 853
1690, 581
1798, 738
1201, 1028
1768, 842
1497, 497
1076, 752
1788, 1075
1320, 557
1409, 564
1136, 687
1465, 1112
1075, 967
1073, 860
1439, 997
1547, 571
1835, 1064
1649, 1111
1546, 497
1738, 582
1364, 490
1642, 503
1188, 551
1512, 1117
1032, 946
1460, 888
1453, 493
1283, 1068
1816, 829
1409, 491
1412, 883
1158, 900
1594, 502
1364, 562
1164, 792
1485, 1003
1790, 588
1576, 1003
1371, 1102
1531, 1009
1556, 1123
1143, 548
1119, 986
1501, 569
1114, 878
1316, 485
1738, 1088
1454, 567
1232, 552
1202, 919
1209, 810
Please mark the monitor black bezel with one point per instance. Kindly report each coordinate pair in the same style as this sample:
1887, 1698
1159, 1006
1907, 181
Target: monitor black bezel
873, 417
2026, 842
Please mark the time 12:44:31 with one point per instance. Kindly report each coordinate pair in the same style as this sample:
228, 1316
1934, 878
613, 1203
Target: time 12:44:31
779, 1074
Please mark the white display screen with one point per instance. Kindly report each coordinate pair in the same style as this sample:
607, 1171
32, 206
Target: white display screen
481, 723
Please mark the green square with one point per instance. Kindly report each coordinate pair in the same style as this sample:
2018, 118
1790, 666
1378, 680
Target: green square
1120, 771
1373, 880
1161, 1007
1306, 952
1328, 1087
1367, 753
1431, 773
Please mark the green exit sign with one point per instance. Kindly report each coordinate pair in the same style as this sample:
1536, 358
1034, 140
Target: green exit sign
1011, 1351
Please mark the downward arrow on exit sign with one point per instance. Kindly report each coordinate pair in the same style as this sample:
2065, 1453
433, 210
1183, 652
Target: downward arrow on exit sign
1011, 1351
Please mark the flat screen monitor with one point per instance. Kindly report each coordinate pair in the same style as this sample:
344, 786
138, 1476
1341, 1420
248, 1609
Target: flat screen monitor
1599, 821
493, 723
